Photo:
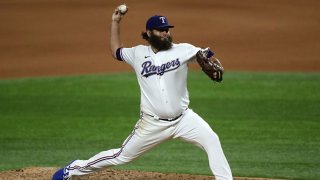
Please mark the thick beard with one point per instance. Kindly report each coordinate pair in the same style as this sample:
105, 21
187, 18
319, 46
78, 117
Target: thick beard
159, 44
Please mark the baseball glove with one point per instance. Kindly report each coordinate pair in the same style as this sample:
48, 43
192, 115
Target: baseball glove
211, 66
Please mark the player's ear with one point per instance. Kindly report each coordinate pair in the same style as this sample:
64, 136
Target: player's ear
148, 33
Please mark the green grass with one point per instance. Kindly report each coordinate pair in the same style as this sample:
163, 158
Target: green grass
268, 123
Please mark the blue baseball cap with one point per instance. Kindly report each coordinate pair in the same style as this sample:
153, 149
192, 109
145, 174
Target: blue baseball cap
157, 22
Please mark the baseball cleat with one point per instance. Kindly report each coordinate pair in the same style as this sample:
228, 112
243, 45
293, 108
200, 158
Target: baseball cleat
63, 173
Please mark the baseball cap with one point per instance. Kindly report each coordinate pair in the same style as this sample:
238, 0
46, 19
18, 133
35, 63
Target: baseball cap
157, 22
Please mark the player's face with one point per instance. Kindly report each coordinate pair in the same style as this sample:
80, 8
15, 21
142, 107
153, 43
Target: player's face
162, 33
160, 39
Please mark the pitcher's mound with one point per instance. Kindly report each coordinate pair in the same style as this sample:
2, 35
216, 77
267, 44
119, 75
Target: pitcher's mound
34, 173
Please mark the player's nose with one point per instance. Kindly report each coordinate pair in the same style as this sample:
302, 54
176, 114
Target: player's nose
164, 34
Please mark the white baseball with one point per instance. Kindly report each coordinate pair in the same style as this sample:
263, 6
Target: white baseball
123, 8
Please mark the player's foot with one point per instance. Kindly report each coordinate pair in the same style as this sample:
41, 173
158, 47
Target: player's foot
62, 174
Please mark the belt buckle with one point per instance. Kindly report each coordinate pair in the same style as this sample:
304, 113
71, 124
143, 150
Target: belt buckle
156, 117
170, 119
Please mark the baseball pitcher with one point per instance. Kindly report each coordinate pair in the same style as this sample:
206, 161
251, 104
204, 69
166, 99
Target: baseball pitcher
161, 69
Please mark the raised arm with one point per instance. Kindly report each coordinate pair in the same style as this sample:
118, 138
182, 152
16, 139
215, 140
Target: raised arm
115, 41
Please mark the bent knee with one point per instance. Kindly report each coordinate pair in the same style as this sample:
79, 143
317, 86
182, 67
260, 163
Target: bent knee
126, 157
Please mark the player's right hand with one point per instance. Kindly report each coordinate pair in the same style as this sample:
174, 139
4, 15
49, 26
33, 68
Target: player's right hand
117, 16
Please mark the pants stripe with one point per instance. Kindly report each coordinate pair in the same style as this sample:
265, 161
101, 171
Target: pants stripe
106, 157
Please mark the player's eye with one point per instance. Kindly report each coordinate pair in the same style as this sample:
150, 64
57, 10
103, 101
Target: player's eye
162, 30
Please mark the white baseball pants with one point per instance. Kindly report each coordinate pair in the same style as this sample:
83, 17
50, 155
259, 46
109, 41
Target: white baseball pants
149, 132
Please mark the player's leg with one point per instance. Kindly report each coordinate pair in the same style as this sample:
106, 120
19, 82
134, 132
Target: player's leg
105, 159
146, 135
192, 128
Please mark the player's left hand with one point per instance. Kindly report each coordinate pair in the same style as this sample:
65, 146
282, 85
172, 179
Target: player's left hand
212, 67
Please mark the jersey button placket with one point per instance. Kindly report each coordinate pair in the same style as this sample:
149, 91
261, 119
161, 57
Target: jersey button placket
161, 80
164, 95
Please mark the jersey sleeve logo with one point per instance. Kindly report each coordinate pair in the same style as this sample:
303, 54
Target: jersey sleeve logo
148, 69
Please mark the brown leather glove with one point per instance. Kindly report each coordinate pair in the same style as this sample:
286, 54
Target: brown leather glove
211, 66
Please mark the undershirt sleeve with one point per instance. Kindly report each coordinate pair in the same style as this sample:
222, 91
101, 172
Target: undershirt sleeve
126, 54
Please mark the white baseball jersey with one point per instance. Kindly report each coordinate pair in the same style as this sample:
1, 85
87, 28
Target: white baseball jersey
162, 77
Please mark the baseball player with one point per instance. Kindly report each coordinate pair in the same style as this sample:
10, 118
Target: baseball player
161, 68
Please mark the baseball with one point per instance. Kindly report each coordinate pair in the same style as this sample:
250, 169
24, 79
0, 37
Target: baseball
123, 8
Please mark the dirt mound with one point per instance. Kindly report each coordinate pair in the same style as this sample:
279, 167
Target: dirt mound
34, 173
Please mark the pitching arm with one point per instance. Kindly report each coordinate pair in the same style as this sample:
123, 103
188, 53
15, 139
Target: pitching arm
115, 41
